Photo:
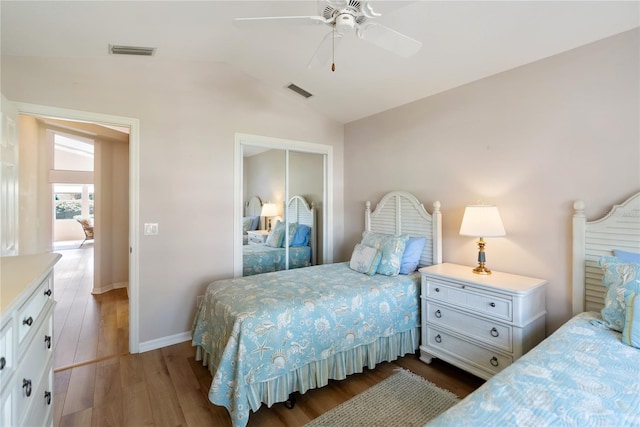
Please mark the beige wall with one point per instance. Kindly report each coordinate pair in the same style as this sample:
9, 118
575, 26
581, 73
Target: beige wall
530, 140
189, 113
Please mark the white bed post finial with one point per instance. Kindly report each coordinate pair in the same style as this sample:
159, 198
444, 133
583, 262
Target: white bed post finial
578, 279
367, 216
436, 221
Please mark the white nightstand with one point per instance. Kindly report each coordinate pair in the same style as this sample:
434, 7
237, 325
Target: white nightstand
479, 323
257, 237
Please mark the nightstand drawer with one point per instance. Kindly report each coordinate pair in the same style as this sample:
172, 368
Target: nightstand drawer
451, 348
470, 298
485, 330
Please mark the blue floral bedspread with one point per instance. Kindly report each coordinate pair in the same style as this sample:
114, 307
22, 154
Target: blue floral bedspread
582, 375
258, 259
261, 328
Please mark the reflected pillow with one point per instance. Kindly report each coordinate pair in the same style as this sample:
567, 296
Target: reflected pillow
627, 256
292, 232
275, 237
392, 248
631, 331
619, 278
301, 238
411, 255
255, 223
365, 259
246, 224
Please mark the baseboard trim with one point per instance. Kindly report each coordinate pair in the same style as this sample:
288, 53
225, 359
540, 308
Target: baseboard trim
165, 341
110, 287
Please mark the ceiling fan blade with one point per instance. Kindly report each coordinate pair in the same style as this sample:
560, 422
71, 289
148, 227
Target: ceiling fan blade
388, 39
278, 20
325, 49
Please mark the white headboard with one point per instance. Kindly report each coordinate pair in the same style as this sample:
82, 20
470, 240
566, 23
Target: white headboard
300, 211
619, 229
400, 212
254, 208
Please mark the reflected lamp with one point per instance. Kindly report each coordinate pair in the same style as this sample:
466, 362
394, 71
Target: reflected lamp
481, 221
269, 210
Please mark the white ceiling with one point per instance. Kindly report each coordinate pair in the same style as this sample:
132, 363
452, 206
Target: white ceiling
462, 41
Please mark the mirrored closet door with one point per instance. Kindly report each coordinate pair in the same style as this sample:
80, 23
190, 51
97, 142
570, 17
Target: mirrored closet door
281, 192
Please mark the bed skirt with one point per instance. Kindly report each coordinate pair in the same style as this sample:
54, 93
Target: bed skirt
318, 373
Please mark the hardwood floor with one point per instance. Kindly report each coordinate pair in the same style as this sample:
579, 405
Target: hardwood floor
97, 383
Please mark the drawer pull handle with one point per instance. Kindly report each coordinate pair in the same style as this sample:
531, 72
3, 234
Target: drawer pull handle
492, 304
494, 361
28, 321
438, 314
438, 338
3, 363
47, 340
494, 332
48, 292
26, 385
47, 397
437, 289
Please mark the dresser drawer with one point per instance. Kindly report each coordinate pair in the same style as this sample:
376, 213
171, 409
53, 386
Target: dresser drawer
470, 298
480, 329
39, 413
448, 346
37, 358
30, 311
6, 353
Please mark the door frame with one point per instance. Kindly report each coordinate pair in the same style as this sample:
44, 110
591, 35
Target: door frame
134, 196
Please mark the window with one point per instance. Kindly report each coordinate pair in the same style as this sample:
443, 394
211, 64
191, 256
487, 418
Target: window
73, 201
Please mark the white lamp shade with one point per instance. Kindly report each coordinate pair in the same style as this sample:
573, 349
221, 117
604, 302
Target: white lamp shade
269, 209
482, 221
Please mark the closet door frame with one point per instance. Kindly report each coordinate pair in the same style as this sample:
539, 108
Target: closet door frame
287, 145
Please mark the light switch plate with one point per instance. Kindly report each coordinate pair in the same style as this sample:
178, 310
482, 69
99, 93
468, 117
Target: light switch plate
150, 229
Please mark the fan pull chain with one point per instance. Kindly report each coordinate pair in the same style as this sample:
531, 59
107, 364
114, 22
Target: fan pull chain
333, 49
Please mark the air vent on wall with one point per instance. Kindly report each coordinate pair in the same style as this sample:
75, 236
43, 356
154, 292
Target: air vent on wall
131, 50
299, 90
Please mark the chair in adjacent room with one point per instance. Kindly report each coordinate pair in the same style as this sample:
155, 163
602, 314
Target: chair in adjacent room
87, 228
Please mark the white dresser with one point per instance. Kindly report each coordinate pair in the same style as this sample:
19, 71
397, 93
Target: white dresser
257, 237
480, 323
26, 339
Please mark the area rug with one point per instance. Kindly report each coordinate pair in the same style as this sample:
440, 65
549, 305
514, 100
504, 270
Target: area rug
403, 399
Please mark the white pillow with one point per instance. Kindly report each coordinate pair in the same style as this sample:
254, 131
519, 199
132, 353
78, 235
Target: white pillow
365, 259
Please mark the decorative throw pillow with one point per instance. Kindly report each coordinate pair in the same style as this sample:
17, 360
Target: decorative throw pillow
411, 255
392, 248
631, 331
626, 256
301, 238
618, 278
275, 237
246, 224
255, 223
292, 232
365, 259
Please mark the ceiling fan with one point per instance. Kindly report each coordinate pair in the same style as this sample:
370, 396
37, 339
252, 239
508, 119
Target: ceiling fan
345, 16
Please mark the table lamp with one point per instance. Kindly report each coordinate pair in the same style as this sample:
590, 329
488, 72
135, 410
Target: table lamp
269, 210
481, 221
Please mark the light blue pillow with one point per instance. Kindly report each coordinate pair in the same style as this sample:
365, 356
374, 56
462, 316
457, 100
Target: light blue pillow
627, 256
392, 248
631, 331
301, 238
276, 236
365, 259
246, 224
292, 232
619, 278
411, 255
256, 221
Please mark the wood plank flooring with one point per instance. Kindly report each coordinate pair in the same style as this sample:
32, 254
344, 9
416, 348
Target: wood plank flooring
97, 383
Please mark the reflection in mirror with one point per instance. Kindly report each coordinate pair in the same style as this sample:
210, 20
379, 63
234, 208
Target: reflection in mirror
281, 224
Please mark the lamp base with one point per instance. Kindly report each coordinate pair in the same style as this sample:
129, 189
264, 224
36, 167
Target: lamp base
481, 269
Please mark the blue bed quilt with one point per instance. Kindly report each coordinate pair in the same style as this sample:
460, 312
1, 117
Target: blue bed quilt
258, 259
261, 328
582, 375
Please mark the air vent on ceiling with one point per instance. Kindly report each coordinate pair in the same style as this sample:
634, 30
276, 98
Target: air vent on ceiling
299, 90
131, 50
